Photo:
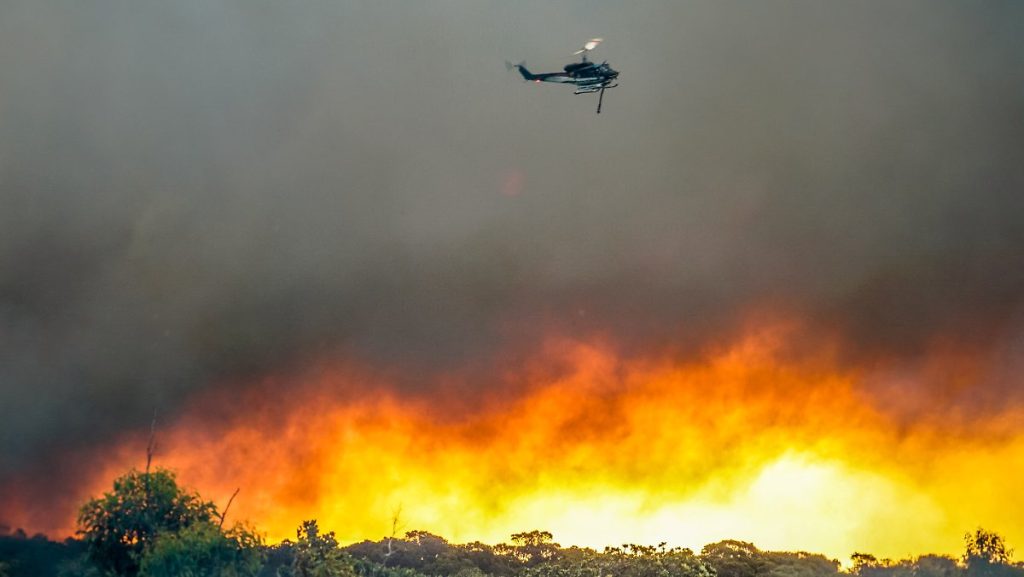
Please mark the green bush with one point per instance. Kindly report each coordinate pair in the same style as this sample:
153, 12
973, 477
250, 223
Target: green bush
203, 550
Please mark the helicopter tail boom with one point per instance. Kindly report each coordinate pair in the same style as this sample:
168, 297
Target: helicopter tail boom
521, 67
542, 77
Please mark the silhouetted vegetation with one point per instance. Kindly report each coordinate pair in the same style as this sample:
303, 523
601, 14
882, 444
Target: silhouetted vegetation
986, 555
732, 558
203, 549
148, 526
317, 554
119, 527
21, 554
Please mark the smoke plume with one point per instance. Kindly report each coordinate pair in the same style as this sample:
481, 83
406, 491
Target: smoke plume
196, 195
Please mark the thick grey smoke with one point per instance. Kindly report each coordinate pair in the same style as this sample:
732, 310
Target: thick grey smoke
195, 190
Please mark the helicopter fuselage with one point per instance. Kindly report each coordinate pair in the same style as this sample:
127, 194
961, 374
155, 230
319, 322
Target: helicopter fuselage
587, 76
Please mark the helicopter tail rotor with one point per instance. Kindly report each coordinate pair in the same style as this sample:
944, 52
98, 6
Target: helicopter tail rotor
521, 67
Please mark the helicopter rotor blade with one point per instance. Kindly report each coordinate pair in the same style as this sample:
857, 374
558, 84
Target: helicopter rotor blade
589, 45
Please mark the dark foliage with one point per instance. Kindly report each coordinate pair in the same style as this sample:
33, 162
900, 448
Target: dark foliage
36, 556
422, 554
118, 526
277, 558
203, 549
316, 554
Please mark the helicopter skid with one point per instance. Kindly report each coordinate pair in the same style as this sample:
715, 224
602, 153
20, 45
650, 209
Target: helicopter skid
592, 89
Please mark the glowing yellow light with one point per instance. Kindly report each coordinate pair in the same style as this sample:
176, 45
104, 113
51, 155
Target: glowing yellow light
605, 450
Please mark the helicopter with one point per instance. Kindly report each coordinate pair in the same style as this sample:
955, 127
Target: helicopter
589, 77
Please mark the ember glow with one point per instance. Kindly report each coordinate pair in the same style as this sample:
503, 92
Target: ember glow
742, 442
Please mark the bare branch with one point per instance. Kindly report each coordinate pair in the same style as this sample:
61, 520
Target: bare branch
396, 517
224, 513
151, 447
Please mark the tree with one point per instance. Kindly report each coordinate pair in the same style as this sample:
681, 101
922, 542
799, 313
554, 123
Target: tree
935, 566
987, 547
733, 558
863, 563
318, 555
986, 554
531, 548
648, 561
368, 568
118, 526
203, 549
22, 555
487, 559
571, 562
801, 564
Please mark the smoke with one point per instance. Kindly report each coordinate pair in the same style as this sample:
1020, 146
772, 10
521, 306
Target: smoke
194, 193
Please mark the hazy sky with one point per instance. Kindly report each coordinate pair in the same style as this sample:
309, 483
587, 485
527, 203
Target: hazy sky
197, 191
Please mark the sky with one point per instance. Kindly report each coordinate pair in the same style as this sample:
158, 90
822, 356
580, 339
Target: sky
317, 231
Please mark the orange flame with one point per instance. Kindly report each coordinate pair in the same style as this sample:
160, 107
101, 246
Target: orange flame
742, 443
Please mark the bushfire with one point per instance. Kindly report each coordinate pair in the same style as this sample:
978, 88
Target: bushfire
744, 441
